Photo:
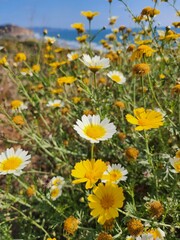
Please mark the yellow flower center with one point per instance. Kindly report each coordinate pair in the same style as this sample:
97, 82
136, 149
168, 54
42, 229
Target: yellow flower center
56, 105
107, 201
144, 122
75, 56
55, 192
10, 163
115, 175
95, 68
177, 166
16, 103
155, 233
95, 131
116, 78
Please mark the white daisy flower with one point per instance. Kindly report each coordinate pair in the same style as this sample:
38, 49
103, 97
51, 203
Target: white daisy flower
73, 56
55, 103
146, 236
95, 63
117, 76
18, 105
50, 40
94, 130
57, 181
114, 174
55, 192
175, 162
12, 162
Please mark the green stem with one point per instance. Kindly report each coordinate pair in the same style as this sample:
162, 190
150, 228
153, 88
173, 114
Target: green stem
92, 151
150, 161
31, 220
142, 86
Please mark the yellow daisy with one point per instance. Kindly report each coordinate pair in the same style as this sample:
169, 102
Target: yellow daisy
12, 162
89, 171
89, 14
145, 119
105, 201
67, 80
94, 130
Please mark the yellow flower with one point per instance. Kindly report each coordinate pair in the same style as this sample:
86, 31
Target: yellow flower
131, 153
150, 12
3, 61
79, 27
51, 238
36, 68
104, 236
142, 51
12, 162
82, 38
141, 69
89, 15
19, 120
71, 225
176, 88
145, 119
56, 90
76, 99
20, 57
67, 79
135, 227
105, 201
89, 171
176, 24
18, 105
31, 191
93, 129
162, 76
156, 209
120, 104
143, 42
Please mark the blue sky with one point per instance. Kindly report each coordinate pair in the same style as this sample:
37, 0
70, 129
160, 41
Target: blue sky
62, 13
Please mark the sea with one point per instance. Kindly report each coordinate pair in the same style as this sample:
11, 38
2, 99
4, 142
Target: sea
67, 37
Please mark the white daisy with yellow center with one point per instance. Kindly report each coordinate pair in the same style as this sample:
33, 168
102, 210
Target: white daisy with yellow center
73, 56
55, 103
12, 162
95, 63
117, 77
114, 174
93, 129
55, 192
57, 181
175, 162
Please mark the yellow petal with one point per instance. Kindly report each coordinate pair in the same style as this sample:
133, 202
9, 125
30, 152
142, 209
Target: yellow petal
131, 119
